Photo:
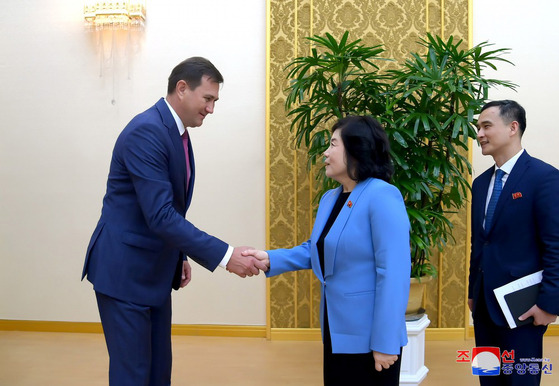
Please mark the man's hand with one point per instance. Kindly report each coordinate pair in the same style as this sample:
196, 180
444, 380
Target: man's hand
260, 255
541, 317
244, 265
383, 361
471, 304
186, 273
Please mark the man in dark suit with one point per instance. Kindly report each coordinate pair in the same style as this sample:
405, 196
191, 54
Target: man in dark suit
514, 235
138, 250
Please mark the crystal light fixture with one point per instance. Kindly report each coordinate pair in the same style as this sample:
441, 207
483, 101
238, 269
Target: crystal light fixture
123, 14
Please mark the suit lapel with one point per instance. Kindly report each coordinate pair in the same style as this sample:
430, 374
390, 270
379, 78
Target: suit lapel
335, 232
324, 210
176, 140
481, 194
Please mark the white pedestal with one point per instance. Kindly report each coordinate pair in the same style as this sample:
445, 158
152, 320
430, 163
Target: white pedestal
413, 370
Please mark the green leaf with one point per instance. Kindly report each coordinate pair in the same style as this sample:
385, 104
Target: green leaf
427, 104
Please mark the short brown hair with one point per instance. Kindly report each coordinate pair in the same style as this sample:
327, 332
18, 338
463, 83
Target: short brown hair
191, 71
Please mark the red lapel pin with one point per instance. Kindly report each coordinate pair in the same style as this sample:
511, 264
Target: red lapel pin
516, 195
349, 204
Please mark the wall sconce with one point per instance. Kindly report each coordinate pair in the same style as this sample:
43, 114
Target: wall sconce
116, 29
115, 14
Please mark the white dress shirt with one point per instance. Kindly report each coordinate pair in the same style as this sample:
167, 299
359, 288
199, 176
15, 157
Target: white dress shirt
507, 168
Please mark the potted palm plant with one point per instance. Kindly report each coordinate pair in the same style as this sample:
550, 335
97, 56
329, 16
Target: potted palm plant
336, 79
427, 105
433, 99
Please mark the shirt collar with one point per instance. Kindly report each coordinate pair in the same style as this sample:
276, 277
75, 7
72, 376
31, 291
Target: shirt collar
178, 121
507, 166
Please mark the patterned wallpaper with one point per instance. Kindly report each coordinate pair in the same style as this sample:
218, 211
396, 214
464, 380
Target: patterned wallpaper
294, 298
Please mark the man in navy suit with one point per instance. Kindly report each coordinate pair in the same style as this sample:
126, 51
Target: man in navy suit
139, 249
513, 236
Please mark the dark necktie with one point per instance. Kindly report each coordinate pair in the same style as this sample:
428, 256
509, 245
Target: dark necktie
497, 188
185, 145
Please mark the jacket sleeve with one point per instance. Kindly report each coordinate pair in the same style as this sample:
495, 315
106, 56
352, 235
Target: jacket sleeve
296, 258
286, 260
547, 220
147, 158
390, 234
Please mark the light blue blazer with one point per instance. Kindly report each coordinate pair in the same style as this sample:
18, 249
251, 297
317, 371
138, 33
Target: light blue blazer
367, 268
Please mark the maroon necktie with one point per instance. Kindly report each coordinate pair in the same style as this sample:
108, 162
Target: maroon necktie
185, 145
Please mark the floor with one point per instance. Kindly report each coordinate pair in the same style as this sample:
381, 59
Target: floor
60, 359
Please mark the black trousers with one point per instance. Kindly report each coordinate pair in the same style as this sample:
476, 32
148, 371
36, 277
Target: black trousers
526, 341
355, 369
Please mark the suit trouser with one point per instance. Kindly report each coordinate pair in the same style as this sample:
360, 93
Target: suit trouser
526, 341
138, 339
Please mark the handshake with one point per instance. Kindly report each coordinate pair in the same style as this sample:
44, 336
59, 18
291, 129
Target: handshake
247, 261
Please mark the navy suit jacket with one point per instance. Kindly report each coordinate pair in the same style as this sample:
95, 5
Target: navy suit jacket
366, 278
523, 238
136, 251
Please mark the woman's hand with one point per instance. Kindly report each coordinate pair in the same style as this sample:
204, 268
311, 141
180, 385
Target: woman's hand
383, 361
260, 255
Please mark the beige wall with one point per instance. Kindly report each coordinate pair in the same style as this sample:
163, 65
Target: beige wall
58, 127
530, 29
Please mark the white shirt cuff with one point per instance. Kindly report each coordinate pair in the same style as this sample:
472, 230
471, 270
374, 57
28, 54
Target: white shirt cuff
226, 258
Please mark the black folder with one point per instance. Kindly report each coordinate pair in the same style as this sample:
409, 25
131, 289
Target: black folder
517, 297
521, 301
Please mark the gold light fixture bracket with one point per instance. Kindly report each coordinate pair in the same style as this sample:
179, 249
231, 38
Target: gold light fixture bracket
123, 14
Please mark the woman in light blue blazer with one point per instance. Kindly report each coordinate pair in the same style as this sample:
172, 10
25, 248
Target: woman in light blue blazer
359, 250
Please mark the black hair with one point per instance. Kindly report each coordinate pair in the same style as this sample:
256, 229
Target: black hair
509, 111
367, 148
